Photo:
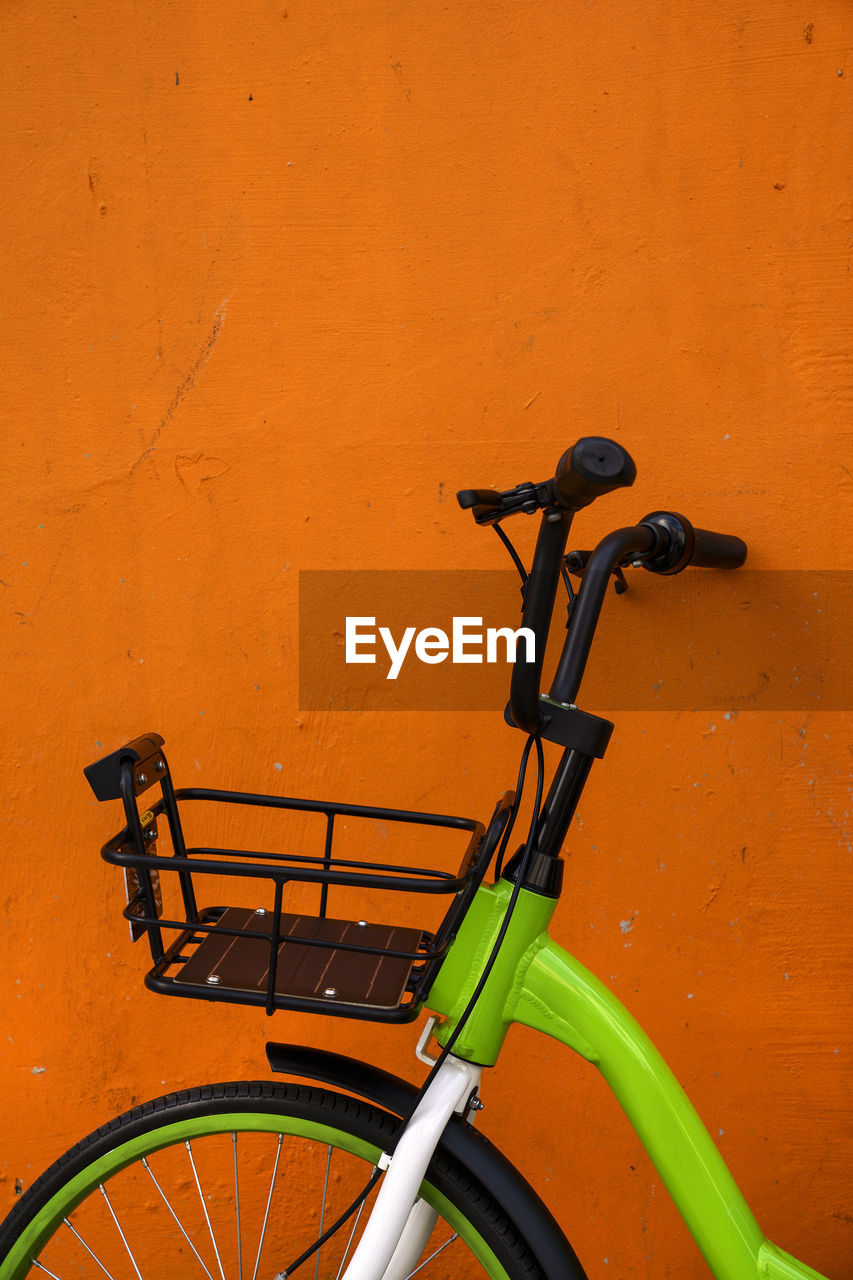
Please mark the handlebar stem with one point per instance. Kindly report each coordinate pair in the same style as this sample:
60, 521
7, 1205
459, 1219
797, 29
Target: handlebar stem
562, 800
539, 595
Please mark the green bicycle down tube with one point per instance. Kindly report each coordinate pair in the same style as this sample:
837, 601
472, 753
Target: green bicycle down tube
537, 983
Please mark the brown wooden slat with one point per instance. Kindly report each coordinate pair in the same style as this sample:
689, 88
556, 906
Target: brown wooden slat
306, 972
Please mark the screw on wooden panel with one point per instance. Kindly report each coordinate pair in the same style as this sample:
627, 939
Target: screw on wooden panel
330, 992
161, 766
141, 779
214, 979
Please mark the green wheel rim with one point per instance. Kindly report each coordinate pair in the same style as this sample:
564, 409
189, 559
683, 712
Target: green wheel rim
17, 1263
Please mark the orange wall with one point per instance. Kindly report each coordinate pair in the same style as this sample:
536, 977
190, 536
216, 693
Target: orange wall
278, 281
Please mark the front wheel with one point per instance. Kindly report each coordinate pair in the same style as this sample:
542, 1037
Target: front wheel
235, 1181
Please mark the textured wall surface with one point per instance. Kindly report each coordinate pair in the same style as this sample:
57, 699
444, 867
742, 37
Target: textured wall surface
278, 280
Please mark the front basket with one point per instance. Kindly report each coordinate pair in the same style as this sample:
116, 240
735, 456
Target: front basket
263, 954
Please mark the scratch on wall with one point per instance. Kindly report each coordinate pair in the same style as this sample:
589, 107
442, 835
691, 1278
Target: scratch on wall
186, 385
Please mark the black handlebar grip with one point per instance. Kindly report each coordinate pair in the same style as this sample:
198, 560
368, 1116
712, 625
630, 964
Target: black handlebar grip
468, 498
677, 544
717, 550
593, 466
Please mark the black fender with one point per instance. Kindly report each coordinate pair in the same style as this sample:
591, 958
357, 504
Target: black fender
554, 1254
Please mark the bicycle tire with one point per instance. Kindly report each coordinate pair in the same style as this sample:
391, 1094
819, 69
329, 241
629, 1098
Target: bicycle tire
103, 1190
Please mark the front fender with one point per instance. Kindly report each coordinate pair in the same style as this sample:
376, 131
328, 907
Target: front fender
555, 1256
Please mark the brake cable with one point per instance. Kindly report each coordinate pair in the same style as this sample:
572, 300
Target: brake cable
512, 551
519, 564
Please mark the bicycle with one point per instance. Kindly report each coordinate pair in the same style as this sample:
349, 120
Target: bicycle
195, 1178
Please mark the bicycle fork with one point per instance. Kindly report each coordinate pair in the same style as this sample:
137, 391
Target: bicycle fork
400, 1224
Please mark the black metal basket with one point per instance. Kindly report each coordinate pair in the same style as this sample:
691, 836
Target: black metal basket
268, 956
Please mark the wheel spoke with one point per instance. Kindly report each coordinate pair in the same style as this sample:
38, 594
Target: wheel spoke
267, 1210
206, 1214
237, 1205
439, 1250
71, 1227
119, 1230
146, 1166
35, 1262
352, 1233
323, 1209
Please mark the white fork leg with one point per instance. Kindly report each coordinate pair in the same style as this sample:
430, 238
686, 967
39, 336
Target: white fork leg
412, 1242
448, 1092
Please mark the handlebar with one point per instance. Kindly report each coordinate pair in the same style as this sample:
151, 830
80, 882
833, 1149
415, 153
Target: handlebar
593, 466
664, 542
540, 591
610, 552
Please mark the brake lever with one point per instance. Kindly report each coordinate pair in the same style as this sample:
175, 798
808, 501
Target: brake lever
488, 506
576, 562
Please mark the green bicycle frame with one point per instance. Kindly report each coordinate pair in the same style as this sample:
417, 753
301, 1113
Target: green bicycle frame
537, 983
